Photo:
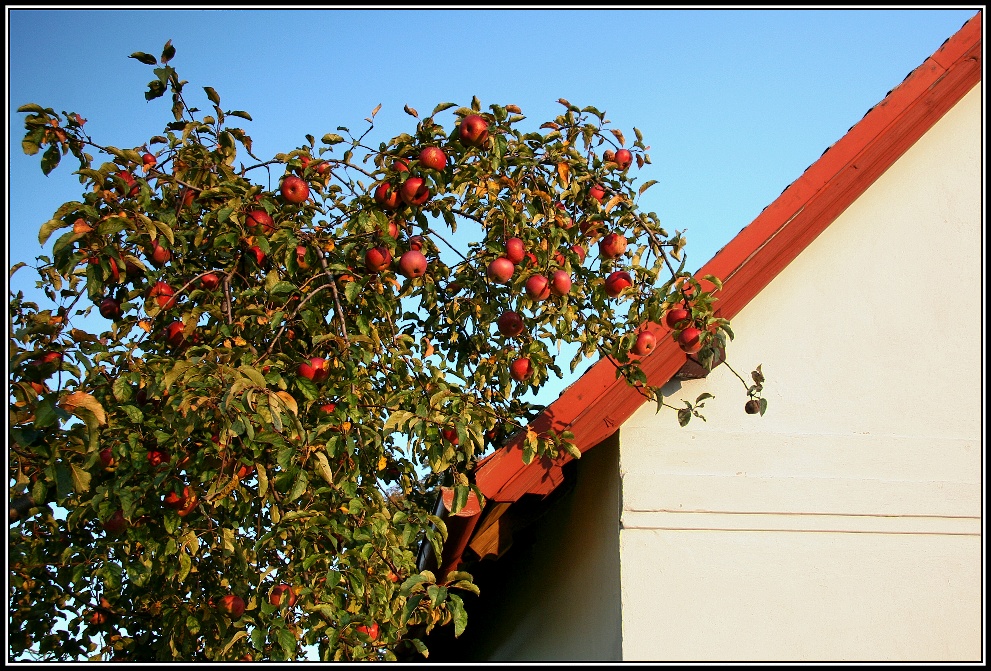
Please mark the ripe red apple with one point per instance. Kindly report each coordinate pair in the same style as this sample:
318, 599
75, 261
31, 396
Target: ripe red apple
515, 251
378, 259
316, 369
275, 596
328, 407
612, 246
579, 252
148, 160
400, 165
130, 181
520, 369
110, 308
295, 189
174, 335
231, 605
244, 471
260, 222
158, 456
450, 435
413, 264
387, 197
674, 316
644, 344
538, 288
624, 159
416, 243
617, 282
393, 229
372, 632
115, 524
597, 192
560, 283
163, 294
159, 255
690, 340
414, 191
114, 270
433, 157
256, 252
188, 195
107, 457
510, 324
210, 281
473, 130
183, 503
500, 270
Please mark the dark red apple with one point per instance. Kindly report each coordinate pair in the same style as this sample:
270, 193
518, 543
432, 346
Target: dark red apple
163, 294
110, 308
148, 160
414, 191
260, 222
158, 456
510, 324
450, 435
473, 130
433, 157
597, 192
520, 369
617, 282
174, 335
416, 243
372, 632
612, 246
295, 189
231, 605
128, 179
107, 457
159, 255
275, 596
115, 524
413, 264
500, 270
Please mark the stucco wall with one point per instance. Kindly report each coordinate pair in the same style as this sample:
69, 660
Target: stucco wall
844, 524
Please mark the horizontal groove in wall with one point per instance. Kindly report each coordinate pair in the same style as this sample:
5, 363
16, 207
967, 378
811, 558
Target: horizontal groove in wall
670, 520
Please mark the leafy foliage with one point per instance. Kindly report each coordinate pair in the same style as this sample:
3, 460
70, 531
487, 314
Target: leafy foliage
266, 409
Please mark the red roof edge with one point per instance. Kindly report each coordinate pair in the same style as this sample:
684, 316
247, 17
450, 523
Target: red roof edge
598, 403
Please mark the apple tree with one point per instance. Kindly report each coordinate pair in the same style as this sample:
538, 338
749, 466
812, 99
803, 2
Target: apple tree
241, 460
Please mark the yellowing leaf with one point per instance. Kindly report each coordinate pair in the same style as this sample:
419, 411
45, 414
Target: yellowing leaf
239, 341
290, 402
382, 463
614, 201
563, 171
80, 399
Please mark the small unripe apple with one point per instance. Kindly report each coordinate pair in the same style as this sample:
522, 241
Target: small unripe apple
510, 324
413, 264
295, 189
644, 344
210, 281
500, 270
473, 130
597, 192
260, 222
275, 596
690, 340
231, 605
387, 197
617, 282
624, 159
515, 251
538, 288
377, 259
433, 157
414, 191
560, 283
674, 316
521, 369
612, 246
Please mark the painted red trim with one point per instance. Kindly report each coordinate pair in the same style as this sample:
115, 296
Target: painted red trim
598, 403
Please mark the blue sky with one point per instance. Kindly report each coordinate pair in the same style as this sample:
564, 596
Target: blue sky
735, 104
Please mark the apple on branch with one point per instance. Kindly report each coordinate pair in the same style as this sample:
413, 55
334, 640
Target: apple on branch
295, 189
473, 130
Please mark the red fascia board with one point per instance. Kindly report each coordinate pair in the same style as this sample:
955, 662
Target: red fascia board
598, 403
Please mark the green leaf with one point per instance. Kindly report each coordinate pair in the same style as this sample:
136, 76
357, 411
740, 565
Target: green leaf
332, 138
458, 614
441, 107
167, 53
80, 479
646, 185
396, 421
185, 564
212, 95
684, 416
48, 228
411, 605
178, 369
50, 159
298, 486
147, 59
288, 643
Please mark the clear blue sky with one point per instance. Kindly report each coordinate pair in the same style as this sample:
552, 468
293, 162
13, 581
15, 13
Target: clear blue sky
735, 104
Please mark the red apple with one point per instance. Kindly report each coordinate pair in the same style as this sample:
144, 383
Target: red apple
174, 335
256, 252
107, 457
231, 605
275, 596
674, 316
413, 264
690, 340
579, 252
500, 270
617, 282
294, 189
210, 281
328, 407
473, 130
110, 308
129, 180
315, 368
450, 435
158, 456
560, 283
378, 259
597, 192
159, 255
521, 369
387, 197
115, 524
393, 229
163, 294
148, 160
433, 157
400, 165
624, 159
612, 246
414, 191
188, 195
510, 324
260, 222
416, 243
114, 270
515, 251
178, 501
372, 632
538, 288
644, 344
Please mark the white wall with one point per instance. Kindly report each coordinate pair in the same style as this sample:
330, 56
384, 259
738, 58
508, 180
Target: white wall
845, 523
